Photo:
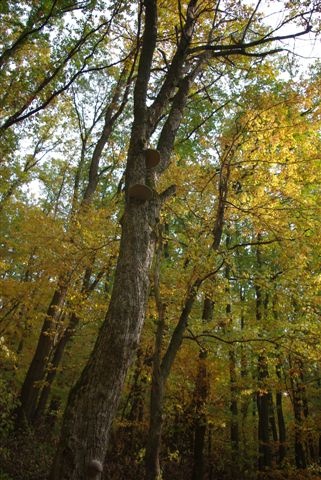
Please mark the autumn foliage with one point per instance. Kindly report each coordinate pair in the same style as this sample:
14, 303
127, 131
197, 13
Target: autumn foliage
182, 328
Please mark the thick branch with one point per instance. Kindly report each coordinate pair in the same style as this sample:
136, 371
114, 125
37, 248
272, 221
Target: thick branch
173, 121
175, 71
113, 111
145, 61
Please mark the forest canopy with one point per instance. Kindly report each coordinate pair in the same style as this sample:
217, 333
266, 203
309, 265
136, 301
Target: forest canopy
160, 205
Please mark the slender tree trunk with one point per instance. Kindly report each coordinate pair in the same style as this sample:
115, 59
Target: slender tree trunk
300, 457
159, 384
263, 395
153, 448
310, 442
263, 405
272, 421
59, 348
273, 429
209, 453
54, 364
299, 451
233, 406
31, 386
245, 462
234, 423
200, 400
199, 443
161, 378
153, 445
201, 395
280, 417
177, 337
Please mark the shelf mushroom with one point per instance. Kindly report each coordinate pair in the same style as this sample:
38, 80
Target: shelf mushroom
140, 191
152, 157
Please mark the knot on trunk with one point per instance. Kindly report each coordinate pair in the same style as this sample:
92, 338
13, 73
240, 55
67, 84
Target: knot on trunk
94, 468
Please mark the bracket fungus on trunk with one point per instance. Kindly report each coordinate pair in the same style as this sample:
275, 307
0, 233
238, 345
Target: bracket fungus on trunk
141, 192
152, 157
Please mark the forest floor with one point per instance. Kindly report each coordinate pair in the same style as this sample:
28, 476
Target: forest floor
29, 456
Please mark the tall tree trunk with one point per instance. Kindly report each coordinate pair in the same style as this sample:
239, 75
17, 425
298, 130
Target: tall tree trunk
233, 406
199, 443
177, 337
94, 399
200, 400
245, 400
300, 457
273, 429
305, 405
299, 451
59, 349
159, 384
234, 424
310, 453
31, 386
280, 417
201, 395
263, 395
153, 445
263, 405
95, 396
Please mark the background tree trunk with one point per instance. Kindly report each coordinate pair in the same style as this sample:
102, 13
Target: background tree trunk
280, 417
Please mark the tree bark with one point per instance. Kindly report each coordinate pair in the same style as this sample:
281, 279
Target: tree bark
201, 395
